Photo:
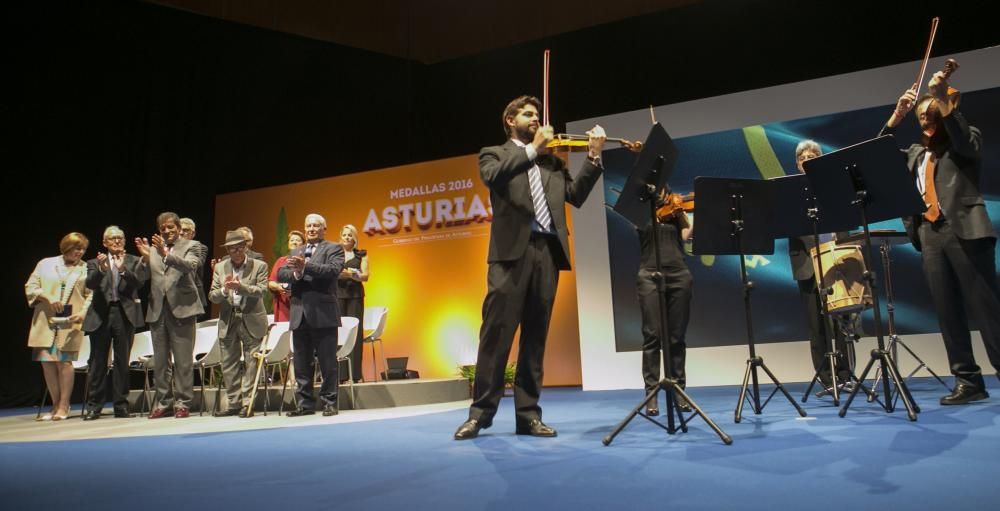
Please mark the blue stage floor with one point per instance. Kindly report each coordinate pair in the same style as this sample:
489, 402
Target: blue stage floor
949, 458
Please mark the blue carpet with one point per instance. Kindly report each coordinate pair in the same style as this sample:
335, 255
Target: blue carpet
949, 458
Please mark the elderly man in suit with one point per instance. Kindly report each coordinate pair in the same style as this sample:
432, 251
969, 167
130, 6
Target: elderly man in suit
174, 306
237, 286
188, 231
311, 271
112, 318
529, 245
954, 235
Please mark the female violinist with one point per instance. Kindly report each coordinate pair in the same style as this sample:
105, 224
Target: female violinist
674, 227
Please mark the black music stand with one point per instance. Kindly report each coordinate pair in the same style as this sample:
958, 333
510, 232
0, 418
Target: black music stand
859, 185
797, 214
637, 204
734, 218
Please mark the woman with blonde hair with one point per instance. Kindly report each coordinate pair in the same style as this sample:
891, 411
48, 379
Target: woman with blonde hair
57, 291
351, 293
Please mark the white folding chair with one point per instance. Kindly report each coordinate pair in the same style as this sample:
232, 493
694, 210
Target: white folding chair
275, 349
207, 355
79, 365
347, 336
141, 359
375, 318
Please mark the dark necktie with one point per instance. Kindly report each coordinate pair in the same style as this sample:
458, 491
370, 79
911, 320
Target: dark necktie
309, 250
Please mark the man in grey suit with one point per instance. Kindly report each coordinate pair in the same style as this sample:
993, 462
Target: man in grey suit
312, 271
174, 306
188, 231
112, 318
237, 286
529, 246
955, 236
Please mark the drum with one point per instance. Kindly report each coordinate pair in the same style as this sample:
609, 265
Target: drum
844, 272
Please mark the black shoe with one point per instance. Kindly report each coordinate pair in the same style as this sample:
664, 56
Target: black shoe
227, 413
470, 429
535, 427
683, 404
298, 412
92, 415
123, 413
964, 394
330, 410
245, 412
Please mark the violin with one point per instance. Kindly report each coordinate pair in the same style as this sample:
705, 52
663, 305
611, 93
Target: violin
675, 204
581, 143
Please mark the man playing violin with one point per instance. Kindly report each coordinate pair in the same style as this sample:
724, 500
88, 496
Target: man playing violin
674, 228
528, 248
954, 235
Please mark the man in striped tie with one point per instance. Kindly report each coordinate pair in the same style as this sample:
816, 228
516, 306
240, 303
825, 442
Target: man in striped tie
954, 235
528, 248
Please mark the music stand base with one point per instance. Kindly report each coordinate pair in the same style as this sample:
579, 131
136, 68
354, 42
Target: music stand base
887, 366
754, 397
672, 390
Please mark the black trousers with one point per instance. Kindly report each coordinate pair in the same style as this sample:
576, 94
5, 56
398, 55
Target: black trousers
311, 344
116, 331
519, 293
355, 308
677, 284
820, 329
961, 275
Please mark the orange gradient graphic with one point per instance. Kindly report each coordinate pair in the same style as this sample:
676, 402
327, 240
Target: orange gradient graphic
426, 229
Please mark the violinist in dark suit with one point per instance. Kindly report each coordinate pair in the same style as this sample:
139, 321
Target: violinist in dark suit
113, 316
954, 235
529, 246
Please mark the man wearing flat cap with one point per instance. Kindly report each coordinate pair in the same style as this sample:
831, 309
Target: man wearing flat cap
238, 285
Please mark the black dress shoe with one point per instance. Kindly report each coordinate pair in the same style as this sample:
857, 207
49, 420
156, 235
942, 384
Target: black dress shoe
299, 412
227, 413
683, 404
535, 427
92, 415
123, 413
330, 410
964, 394
470, 429
244, 412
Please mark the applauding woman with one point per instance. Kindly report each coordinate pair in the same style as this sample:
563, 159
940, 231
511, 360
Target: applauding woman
351, 292
57, 291
278, 290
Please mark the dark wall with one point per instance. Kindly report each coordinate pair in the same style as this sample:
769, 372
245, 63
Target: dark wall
119, 110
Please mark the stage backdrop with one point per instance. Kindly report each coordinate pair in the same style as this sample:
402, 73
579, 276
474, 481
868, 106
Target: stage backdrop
753, 135
426, 227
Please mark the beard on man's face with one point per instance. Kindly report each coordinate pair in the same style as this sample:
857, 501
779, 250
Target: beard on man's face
525, 132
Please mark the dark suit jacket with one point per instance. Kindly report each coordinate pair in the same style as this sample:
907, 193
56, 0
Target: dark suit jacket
504, 169
956, 180
314, 296
134, 275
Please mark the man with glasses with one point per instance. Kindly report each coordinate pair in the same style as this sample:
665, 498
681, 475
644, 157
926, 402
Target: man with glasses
111, 320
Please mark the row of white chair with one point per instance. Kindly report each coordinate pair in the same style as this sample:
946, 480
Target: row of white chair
277, 348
